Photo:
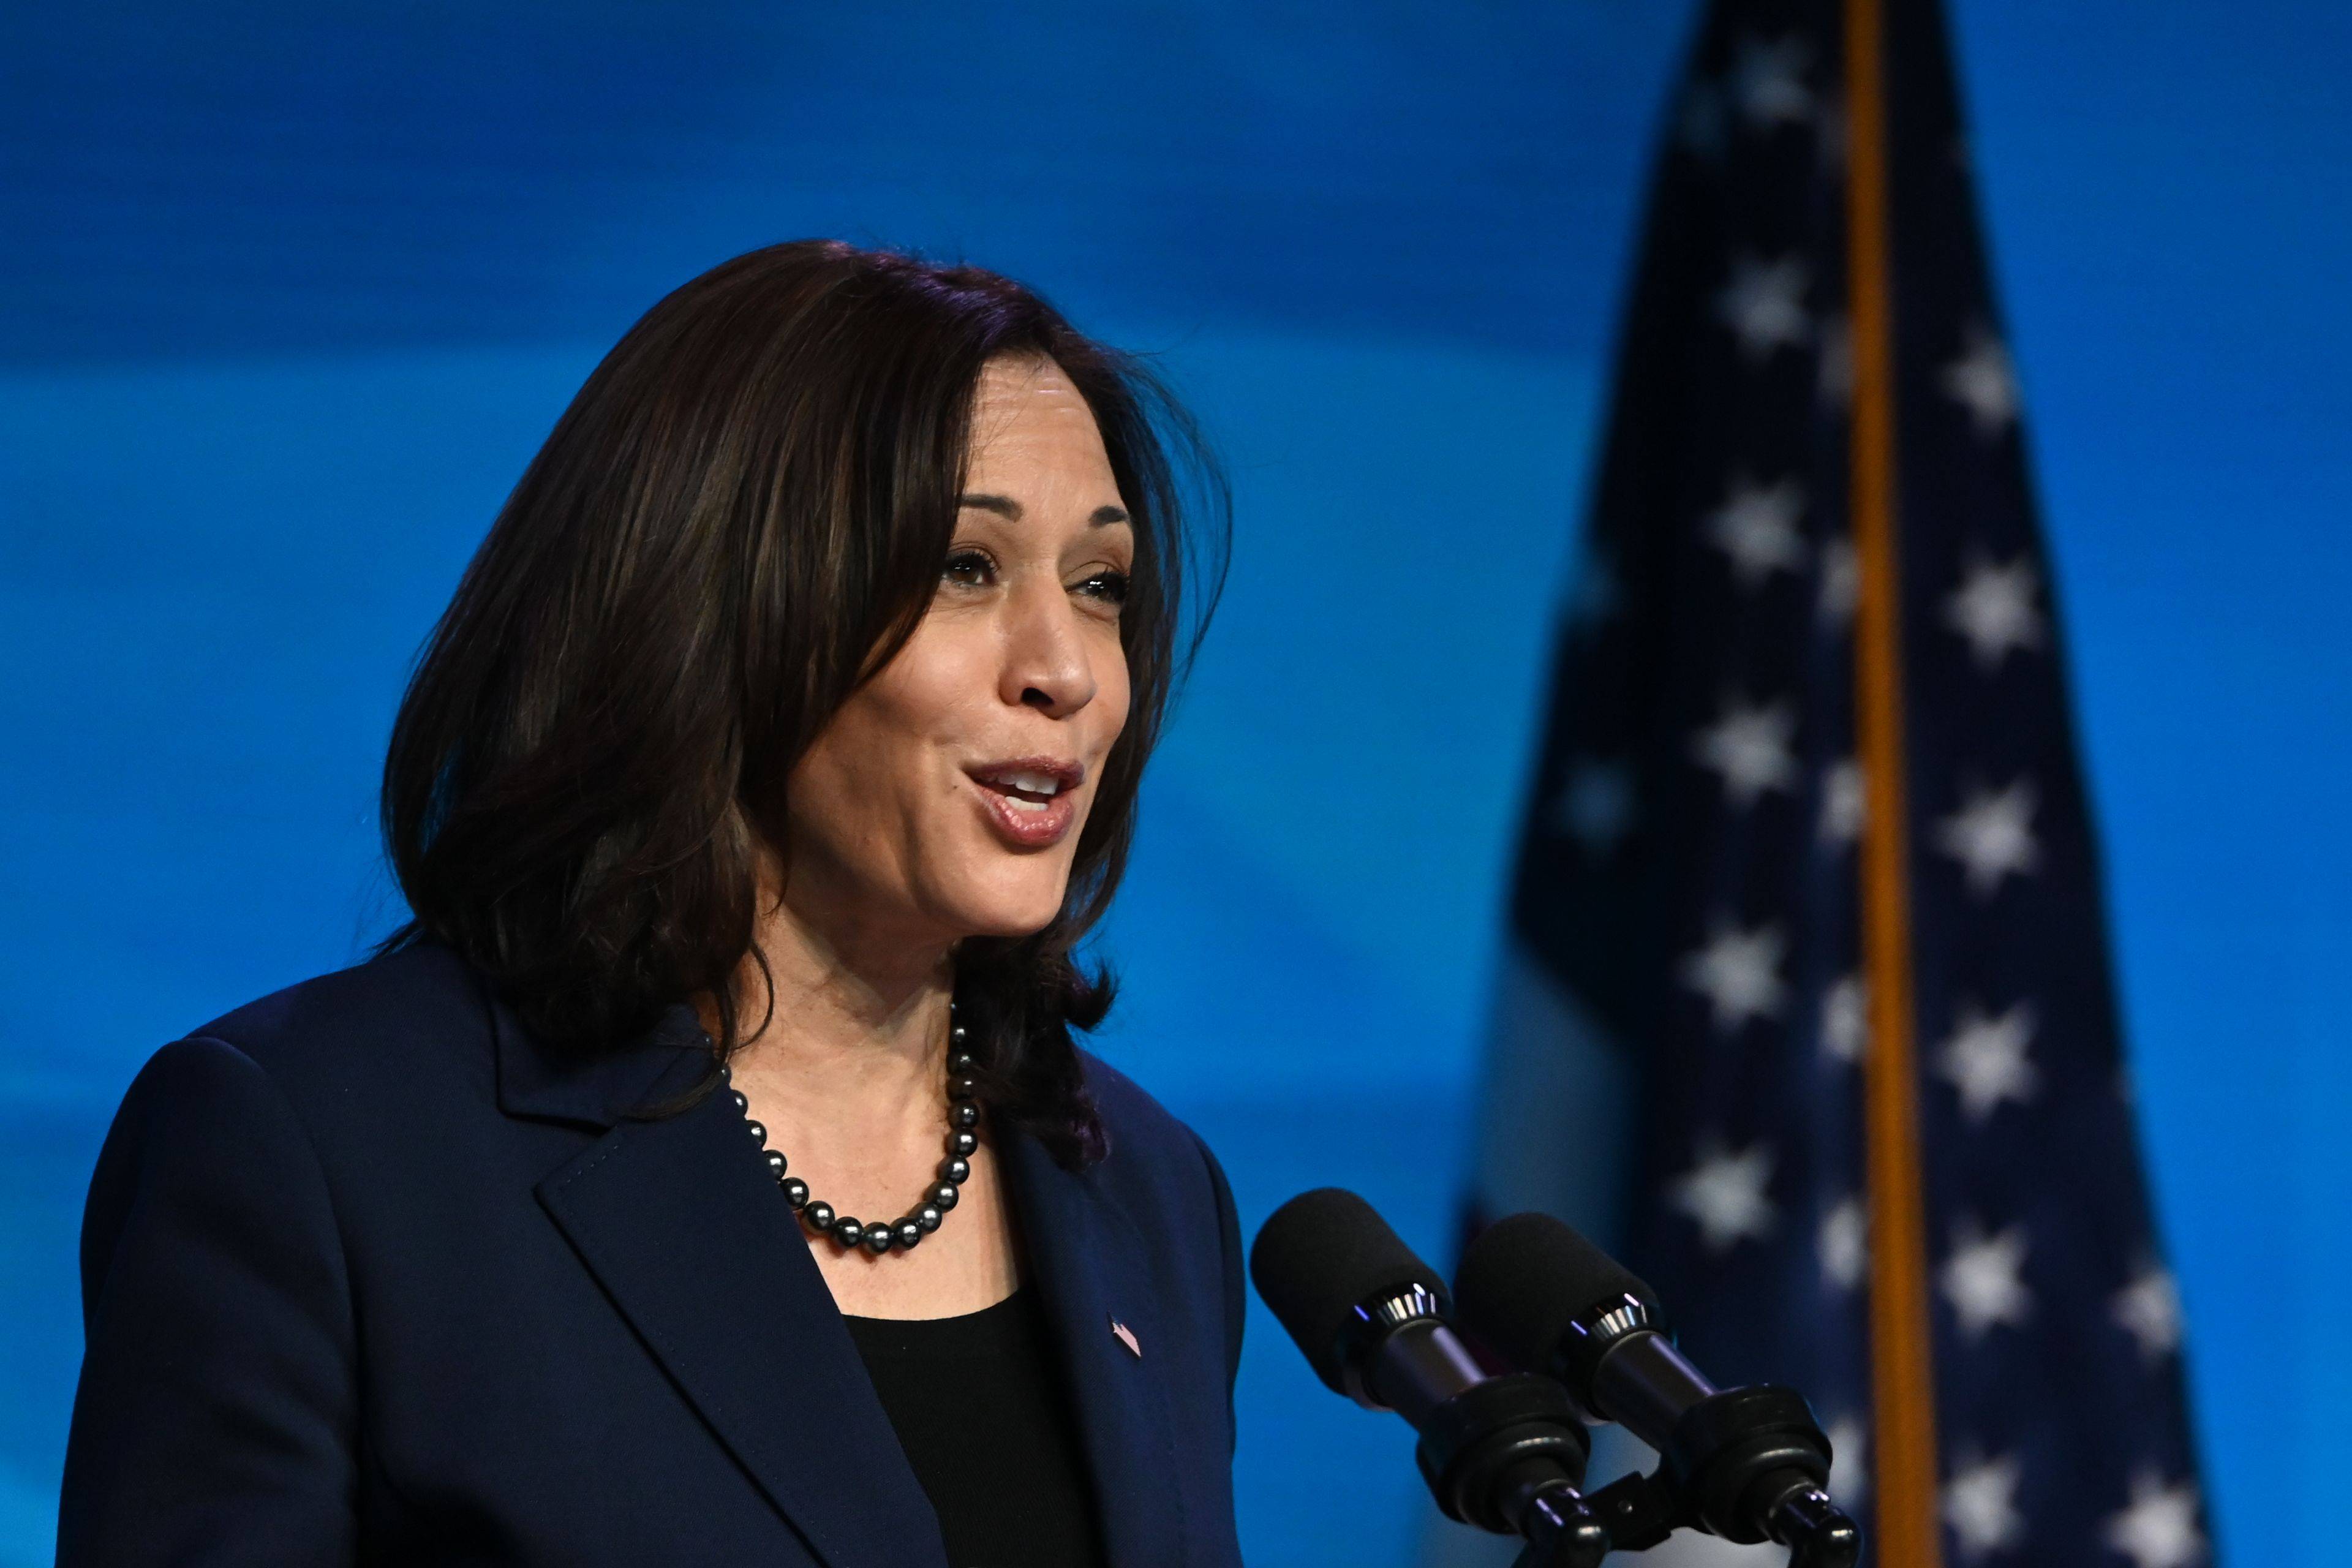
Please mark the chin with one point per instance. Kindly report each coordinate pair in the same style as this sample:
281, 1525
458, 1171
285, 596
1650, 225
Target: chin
1010, 911
1013, 925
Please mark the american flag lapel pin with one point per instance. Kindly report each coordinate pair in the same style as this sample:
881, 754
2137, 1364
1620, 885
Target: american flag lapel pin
1125, 1336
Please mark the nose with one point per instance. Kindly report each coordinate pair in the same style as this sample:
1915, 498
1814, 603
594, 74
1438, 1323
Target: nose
1045, 664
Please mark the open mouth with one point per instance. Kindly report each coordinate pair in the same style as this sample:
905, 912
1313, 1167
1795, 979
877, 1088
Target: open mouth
1026, 791
1032, 800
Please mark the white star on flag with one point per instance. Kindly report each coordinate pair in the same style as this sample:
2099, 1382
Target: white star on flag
1843, 805
1985, 1059
1724, 1193
1750, 747
2150, 1310
1981, 1505
1764, 304
1596, 806
2159, 1528
1844, 1244
1991, 836
1993, 608
1757, 527
1739, 973
1984, 382
1849, 1461
1845, 1019
1981, 1280
1769, 82
1841, 582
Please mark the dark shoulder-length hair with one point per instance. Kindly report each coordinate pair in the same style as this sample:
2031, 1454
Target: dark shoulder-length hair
742, 516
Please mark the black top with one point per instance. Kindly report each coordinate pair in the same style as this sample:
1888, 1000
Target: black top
982, 1409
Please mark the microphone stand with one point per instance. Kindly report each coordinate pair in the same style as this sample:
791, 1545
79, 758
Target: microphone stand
1735, 1455
1505, 1454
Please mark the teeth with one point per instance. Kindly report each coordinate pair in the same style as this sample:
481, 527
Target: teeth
1031, 783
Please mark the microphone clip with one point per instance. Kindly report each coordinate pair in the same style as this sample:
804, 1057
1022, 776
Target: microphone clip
1738, 1457
1489, 1451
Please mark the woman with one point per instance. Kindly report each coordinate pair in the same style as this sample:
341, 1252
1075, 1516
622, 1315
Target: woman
706, 1174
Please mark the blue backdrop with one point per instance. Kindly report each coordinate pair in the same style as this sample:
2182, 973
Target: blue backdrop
290, 295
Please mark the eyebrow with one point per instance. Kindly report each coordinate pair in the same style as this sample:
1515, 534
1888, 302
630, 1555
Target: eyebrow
1011, 511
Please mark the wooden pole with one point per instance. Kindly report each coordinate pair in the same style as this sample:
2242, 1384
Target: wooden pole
1903, 1445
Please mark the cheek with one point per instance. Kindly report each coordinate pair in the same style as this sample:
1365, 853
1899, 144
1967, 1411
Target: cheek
913, 717
1120, 696
864, 796
826, 802
1113, 693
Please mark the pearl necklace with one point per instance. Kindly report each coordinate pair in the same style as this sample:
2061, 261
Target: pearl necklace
963, 1119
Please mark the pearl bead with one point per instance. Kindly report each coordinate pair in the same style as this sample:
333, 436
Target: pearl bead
884, 1236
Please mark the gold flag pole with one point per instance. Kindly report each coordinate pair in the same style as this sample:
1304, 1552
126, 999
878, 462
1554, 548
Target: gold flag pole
1902, 1355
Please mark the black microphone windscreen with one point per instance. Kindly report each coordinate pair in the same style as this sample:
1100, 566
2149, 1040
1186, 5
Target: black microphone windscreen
1320, 1256
1525, 1279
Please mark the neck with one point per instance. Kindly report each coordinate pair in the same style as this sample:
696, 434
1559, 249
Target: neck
860, 1013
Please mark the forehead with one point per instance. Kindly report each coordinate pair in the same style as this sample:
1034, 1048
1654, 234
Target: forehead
1027, 411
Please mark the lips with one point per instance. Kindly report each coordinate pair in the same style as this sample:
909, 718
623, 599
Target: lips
1031, 802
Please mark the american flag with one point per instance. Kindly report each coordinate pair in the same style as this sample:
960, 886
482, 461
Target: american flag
1809, 1005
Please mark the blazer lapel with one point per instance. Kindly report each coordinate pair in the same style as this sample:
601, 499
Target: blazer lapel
681, 1224
1089, 1265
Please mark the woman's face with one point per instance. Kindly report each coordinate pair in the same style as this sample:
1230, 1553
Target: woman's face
946, 798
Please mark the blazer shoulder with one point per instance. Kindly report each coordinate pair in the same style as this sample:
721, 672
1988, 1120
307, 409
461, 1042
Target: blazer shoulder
1137, 1122
1155, 1160
402, 1013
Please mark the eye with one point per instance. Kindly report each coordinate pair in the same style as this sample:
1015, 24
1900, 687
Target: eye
969, 569
1109, 586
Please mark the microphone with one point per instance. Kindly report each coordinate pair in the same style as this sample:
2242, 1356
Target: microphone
1746, 1463
1505, 1454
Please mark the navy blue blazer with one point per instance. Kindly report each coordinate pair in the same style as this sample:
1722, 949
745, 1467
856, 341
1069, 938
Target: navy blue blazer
369, 1276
